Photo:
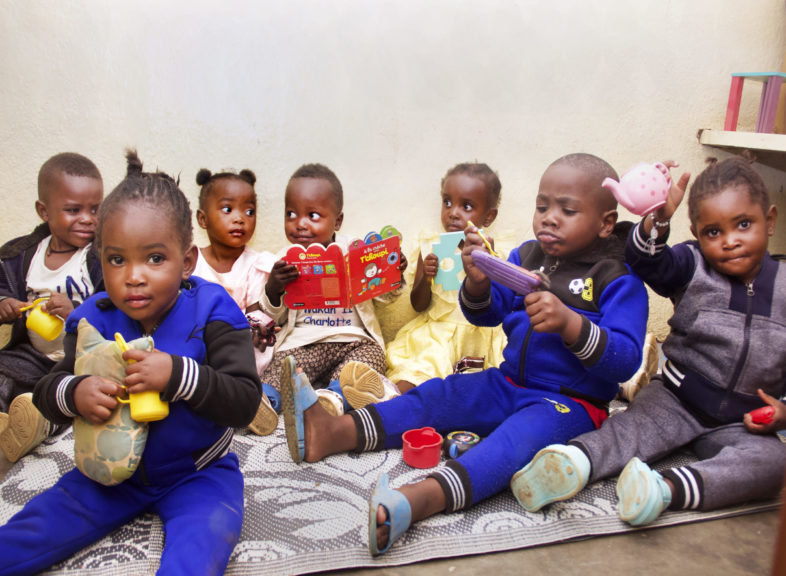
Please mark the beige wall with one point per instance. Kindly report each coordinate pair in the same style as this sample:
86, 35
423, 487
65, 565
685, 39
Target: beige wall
389, 93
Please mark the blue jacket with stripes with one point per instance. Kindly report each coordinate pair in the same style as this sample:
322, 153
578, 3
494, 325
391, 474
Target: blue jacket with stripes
213, 386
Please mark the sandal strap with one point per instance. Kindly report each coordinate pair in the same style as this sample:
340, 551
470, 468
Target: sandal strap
399, 514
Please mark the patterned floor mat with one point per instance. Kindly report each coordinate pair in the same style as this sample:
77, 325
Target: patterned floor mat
313, 517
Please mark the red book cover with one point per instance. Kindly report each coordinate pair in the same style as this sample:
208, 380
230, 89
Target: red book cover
330, 278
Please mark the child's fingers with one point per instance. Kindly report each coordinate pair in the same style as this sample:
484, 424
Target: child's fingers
132, 356
286, 275
471, 243
57, 303
109, 387
682, 181
770, 400
61, 311
755, 428
108, 402
8, 311
534, 297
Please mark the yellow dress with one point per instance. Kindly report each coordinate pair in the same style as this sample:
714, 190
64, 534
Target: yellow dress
430, 344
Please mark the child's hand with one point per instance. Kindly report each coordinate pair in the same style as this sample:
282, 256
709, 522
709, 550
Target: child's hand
58, 305
264, 338
430, 266
778, 421
151, 370
263, 329
95, 398
402, 262
9, 309
547, 313
477, 282
281, 275
676, 193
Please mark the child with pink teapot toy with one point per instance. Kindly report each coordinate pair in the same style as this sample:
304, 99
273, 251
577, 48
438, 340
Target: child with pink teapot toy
720, 391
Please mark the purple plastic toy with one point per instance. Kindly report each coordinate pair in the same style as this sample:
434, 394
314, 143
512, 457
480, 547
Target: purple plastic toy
516, 278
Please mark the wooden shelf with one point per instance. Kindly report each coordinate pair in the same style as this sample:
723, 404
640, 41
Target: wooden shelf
769, 149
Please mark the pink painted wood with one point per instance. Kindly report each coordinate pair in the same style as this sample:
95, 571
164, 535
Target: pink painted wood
768, 104
733, 107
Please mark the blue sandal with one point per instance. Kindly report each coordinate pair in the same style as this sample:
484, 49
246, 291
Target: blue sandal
399, 514
297, 396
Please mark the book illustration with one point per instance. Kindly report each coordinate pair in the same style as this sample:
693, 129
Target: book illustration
450, 271
330, 278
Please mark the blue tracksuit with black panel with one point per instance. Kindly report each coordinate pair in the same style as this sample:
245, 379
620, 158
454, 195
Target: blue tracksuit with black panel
544, 392
186, 475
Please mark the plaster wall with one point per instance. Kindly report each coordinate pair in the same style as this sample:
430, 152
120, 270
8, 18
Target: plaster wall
387, 93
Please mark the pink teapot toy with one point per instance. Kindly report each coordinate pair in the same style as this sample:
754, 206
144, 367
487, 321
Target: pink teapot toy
642, 189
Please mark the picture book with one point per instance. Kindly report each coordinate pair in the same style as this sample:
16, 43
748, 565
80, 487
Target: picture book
330, 278
451, 271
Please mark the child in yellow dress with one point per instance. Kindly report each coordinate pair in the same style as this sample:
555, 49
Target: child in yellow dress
431, 344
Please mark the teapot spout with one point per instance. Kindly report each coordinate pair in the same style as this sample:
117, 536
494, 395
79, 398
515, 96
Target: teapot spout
616, 189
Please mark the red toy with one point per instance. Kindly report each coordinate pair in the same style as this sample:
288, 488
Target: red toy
422, 447
763, 415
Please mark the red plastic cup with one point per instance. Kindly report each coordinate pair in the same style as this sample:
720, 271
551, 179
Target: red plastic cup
422, 447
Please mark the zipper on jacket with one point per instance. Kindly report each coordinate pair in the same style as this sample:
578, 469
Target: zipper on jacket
524, 355
12, 287
745, 346
523, 358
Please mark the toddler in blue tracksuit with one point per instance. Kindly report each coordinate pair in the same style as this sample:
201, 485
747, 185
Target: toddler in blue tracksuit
568, 348
202, 364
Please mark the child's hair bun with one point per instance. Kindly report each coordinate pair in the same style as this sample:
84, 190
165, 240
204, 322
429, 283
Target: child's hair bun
248, 176
134, 163
203, 176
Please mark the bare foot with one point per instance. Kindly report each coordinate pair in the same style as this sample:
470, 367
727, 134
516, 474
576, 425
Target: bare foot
404, 386
326, 434
383, 531
425, 498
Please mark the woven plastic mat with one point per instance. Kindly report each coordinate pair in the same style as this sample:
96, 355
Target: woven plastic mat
314, 517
